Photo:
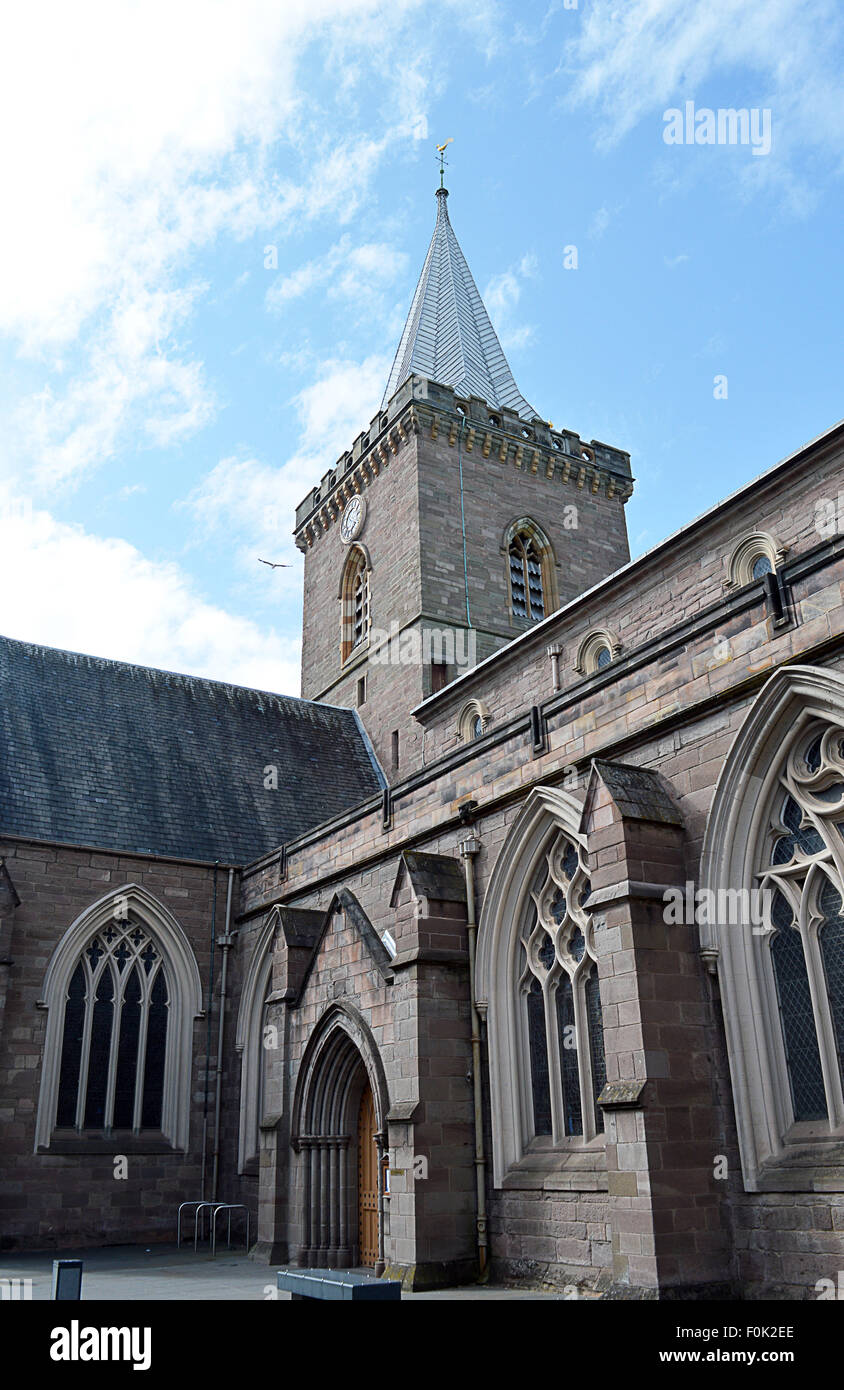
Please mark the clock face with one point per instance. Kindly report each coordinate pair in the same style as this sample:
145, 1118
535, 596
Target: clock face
353, 515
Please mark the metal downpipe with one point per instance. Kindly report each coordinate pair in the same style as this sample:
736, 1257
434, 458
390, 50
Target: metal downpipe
225, 947
208, 1032
468, 849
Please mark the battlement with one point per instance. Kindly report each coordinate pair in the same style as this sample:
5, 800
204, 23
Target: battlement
421, 406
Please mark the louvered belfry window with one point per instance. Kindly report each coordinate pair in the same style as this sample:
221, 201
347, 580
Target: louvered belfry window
562, 999
803, 930
114, 1041
360, 605
355, 598
526, 588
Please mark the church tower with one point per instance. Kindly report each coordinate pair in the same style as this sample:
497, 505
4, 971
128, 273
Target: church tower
458, 519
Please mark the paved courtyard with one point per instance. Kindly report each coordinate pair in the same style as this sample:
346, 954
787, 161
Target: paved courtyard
163, 1272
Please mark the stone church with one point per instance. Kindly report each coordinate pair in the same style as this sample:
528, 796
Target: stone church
514, 949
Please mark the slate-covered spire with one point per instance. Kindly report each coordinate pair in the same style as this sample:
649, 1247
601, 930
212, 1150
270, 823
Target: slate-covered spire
448, 336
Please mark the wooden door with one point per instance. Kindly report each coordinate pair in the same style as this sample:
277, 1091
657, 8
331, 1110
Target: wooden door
367, 1181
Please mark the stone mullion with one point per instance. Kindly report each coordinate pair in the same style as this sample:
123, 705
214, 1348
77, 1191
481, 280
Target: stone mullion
116, 1020
86, 1049
140, 1072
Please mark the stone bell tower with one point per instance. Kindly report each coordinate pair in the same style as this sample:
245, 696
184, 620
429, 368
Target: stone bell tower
458, 519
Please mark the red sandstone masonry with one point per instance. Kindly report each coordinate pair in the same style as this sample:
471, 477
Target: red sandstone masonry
54, 1199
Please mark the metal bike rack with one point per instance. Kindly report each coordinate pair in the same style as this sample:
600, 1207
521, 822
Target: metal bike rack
179, 1220
200, 1207
228, 1207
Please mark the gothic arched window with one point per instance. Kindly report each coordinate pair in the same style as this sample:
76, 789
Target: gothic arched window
537, 985
802, 933
114, 1038
121, 992
527, 593
354, 595
530, 571
558, 985
773, 886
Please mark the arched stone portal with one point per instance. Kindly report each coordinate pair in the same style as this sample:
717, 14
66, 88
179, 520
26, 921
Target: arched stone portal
340, 1070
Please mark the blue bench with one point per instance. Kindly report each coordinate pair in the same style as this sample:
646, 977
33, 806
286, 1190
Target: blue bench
338, 1285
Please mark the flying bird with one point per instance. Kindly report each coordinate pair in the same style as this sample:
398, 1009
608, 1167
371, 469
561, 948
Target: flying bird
280, 566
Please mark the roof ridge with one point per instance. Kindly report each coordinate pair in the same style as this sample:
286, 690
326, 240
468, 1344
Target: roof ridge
184, 676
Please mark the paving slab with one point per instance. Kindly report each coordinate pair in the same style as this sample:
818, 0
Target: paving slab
164, 1272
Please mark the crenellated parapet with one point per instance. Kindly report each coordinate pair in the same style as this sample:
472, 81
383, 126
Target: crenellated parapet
468, 424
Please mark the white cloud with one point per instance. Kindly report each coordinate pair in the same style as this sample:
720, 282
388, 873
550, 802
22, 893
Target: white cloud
254, 502
601, 220
102, 596
143, 133
140, 137
132, 365
341, 402
351, 272
501, 298
633, 58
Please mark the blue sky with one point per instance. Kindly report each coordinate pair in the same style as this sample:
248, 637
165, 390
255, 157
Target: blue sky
168, 399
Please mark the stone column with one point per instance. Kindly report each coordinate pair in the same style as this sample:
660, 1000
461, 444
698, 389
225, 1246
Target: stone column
306, 1247
344, 1252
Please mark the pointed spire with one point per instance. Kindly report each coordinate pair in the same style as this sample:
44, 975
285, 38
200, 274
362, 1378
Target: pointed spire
448, 336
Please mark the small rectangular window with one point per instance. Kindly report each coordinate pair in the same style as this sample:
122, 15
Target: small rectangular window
439, 676
395, 743
361, 691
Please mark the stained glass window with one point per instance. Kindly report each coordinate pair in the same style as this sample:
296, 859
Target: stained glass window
74, 1024
562, 1001
567, 1033
831, 937
804, 933
114, 1041
798, 1023
761, 566
538, 1041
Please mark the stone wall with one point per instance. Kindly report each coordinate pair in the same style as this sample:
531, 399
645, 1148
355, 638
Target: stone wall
52, 1200
442, 480
694, 656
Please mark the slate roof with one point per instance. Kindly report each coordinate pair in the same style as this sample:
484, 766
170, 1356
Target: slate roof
448, 336
102, 753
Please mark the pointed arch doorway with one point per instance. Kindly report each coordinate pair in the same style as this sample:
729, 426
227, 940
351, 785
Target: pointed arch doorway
338, 1133
367, 1180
